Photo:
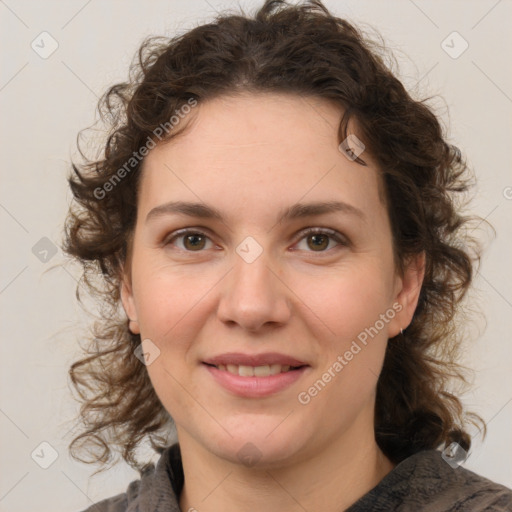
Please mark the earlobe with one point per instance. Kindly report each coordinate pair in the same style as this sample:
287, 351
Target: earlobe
409, 293
129, 306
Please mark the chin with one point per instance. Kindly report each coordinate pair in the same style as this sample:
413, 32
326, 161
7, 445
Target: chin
265, 444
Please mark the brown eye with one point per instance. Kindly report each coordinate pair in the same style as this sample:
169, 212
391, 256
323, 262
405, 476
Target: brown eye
192, 241
318, 239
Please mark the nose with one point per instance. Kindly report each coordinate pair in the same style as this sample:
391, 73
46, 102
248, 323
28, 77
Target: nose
254, 296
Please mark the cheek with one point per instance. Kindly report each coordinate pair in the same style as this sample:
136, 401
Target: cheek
352, 348
349, 303
168, 298
171, 314
355, 314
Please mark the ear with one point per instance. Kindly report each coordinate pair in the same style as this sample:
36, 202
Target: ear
129, 304
408, 293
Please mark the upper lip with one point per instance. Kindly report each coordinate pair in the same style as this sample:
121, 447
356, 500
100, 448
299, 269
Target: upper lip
254, 359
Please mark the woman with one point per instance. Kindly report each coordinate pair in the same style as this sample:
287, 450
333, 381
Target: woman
276, 216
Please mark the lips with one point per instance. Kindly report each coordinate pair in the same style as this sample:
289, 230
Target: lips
255, 375
255, 365
255, 371
254, 360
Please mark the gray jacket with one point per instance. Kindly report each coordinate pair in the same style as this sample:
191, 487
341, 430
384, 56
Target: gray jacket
423, 482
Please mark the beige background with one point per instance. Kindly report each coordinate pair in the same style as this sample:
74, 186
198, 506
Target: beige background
46, 101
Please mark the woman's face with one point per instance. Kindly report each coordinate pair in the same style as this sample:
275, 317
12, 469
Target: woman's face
253, 289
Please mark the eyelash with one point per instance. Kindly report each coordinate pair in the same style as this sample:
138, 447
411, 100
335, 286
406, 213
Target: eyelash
334, 235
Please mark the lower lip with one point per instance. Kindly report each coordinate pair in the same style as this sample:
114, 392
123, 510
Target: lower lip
255, 387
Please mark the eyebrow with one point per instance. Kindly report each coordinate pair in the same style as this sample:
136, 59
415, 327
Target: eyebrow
296, 211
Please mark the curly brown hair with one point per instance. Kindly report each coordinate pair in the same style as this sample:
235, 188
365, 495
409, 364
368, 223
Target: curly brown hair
302, 50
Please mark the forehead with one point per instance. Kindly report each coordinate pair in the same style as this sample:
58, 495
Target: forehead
233, 123
262, 147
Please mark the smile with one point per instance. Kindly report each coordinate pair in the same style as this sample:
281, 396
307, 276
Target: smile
255, 381
255, 371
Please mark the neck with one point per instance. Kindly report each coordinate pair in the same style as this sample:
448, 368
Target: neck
333, 479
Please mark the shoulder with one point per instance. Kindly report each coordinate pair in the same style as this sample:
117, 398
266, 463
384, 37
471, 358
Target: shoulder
426, 482
455, 487
119, 502
158, 488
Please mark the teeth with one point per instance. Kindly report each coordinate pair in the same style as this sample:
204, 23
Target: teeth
275, 369
254, 371
262, 371
245, 371
232, 368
